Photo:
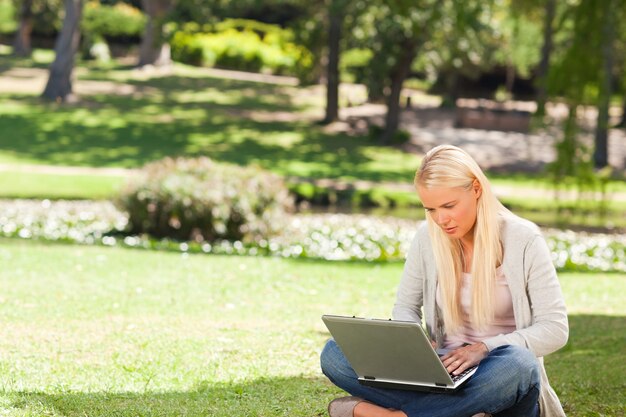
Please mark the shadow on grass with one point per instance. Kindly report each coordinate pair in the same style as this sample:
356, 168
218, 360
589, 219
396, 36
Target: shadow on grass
296, 396
588, 373
118, 131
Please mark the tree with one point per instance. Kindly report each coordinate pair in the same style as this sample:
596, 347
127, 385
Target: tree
336, 10
153, 49
59, 85
402, 30
589, 62
600, 154
546, 52
21, 42
394, 31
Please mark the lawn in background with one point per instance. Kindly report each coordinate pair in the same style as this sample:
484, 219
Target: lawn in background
130, 117
117, 332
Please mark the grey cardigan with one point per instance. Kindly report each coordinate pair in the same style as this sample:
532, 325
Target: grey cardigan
538, 305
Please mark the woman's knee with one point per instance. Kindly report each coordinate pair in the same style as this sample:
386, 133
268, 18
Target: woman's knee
524, 364
333, 362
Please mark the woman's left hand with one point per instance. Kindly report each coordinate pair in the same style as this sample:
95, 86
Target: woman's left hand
464, 357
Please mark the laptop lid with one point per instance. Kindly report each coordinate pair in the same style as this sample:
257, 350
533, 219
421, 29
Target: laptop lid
397, 354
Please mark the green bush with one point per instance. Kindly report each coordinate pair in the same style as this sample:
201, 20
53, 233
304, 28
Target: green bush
47, 17
200, 200
8, 22
109, 22
354, 63
240, 45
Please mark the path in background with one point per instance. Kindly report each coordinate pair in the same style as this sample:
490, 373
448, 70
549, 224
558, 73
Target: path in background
494, 150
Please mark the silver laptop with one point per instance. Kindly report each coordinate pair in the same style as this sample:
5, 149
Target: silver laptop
392, 354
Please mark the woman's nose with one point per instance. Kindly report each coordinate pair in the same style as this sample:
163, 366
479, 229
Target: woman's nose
442, 219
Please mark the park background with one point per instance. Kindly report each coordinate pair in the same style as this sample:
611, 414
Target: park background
187, 186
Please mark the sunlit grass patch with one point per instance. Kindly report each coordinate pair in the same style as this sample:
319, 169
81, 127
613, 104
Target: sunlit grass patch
119, 332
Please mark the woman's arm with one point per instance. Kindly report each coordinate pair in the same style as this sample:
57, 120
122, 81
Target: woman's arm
549, 329
410, 294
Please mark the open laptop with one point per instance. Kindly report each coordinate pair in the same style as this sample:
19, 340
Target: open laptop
392, 354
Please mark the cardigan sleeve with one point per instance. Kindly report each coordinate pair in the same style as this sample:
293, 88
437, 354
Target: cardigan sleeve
410, 294
547, 330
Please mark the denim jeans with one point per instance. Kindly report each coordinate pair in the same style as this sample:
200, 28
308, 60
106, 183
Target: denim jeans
506, 384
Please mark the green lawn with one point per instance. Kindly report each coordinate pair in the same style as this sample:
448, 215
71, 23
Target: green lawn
134, 117
42, 185
190, 113
116, 332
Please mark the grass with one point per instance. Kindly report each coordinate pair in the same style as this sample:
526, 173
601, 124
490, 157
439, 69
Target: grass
42, 185
113, 332
190, 112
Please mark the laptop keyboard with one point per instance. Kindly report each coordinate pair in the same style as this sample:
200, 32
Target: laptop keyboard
456, 378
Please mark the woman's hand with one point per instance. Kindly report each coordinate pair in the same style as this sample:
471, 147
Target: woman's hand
464, 357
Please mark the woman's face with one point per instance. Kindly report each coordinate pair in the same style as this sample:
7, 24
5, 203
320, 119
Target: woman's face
453, 209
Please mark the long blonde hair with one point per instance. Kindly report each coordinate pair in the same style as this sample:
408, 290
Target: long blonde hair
448, 166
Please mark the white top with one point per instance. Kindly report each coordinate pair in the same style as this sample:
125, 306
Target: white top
503, 320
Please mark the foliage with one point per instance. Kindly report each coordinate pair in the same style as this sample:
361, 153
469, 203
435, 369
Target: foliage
199, 200
573, 168
581, 59
279, 12
47, 15
518, 39
8, 21
241, 45
353, 64
110, 22
323, 236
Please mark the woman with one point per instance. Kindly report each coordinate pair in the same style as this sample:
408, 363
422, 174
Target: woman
489, 292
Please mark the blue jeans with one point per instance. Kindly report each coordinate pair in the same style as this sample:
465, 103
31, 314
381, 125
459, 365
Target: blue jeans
506, 384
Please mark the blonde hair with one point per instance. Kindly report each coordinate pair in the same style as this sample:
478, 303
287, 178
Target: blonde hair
448, 166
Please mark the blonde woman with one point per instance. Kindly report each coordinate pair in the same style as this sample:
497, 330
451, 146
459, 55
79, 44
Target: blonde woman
485, 282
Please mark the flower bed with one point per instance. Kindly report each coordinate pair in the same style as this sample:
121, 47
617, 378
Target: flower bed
334, 237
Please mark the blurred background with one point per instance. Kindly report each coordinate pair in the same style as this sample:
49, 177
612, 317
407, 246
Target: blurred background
339, 98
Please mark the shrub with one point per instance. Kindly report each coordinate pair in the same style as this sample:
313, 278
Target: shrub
200, 200
8, 22
109, 22
240, 45
354, 63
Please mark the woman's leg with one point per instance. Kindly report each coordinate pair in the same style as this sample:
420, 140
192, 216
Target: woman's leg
336, 367
506, 384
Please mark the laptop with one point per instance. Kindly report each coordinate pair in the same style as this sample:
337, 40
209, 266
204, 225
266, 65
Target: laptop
393, 354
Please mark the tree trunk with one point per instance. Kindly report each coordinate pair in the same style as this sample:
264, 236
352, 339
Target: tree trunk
601, 154
622, 122
153, 49
399, 73
546, 52
332, 69
21, 43
451, 80
59, 86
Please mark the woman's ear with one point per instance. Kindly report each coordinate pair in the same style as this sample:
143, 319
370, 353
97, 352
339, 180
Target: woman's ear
478, 189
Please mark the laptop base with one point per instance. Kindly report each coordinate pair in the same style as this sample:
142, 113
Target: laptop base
407, 387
